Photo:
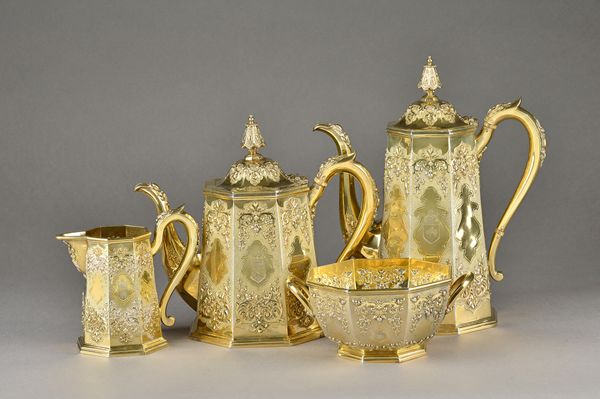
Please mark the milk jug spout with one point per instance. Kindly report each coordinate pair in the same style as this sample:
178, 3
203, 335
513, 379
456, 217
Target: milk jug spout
77, 246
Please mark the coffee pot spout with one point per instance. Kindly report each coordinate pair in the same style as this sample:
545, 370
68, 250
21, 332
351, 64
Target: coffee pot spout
77, 246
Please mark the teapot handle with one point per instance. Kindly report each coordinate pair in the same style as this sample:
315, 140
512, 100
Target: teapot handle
299, 289
349, 206
458, 286
162, 222
537, 154
370, 200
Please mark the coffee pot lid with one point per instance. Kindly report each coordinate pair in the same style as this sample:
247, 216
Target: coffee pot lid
429, 113
255, 172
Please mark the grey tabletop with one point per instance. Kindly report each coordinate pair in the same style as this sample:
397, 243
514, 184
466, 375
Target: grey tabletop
544, 346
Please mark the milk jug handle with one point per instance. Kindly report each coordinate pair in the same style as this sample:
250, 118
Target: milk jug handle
191, 227
537, 153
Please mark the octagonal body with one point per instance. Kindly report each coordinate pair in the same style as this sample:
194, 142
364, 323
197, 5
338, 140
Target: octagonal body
253, 239
432, 211
380, 310
120, 306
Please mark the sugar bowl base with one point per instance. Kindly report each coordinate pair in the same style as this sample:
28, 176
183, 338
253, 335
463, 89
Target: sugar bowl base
382, 356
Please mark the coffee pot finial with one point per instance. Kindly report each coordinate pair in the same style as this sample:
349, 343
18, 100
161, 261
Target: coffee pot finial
430, 80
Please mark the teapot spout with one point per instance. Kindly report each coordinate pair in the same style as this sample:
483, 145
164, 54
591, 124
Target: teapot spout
77, 246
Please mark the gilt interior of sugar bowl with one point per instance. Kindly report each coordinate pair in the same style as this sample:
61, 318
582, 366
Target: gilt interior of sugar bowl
379, 274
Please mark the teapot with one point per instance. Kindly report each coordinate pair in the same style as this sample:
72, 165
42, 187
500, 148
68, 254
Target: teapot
432, 200
121, 314
258, 231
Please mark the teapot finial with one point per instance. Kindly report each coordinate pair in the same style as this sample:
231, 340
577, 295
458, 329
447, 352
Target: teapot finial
252, 139
430, 80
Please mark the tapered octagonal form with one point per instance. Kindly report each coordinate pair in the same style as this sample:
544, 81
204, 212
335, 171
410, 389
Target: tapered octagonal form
382, 310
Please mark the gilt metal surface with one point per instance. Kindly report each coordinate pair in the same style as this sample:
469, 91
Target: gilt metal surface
382, 310
121, 313
258, 231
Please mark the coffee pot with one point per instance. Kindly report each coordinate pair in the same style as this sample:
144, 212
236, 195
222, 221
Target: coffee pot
257, 232
432, 200
121, 314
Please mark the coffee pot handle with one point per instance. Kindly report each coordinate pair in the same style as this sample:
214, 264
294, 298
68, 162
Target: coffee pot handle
347, 164
537, 154
162, 221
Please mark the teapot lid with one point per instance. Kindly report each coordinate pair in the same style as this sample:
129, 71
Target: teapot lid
256, 173
429, 114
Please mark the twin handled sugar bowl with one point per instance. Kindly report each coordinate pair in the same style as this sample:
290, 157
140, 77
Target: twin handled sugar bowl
257, 232
380, 310
432, 201
121, 314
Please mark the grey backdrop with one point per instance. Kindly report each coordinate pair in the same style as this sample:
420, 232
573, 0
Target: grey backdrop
97, 96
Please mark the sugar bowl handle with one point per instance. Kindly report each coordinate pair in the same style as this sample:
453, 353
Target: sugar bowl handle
347, 164
299, 289
457, 287
162, 221
537, 154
